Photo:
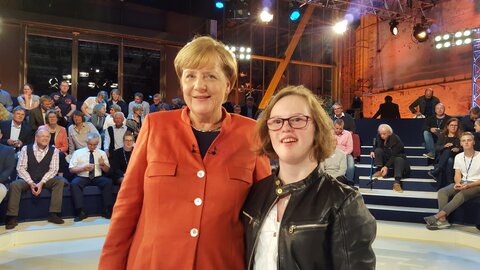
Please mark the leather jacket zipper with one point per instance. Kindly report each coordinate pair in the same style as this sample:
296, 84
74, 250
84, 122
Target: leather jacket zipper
293, 228
258, 234
250, 217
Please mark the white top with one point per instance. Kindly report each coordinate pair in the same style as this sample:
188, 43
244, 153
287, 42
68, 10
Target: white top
81, 157
118, 138
109, 122
15, 131
91, 102
266, 252
470, 168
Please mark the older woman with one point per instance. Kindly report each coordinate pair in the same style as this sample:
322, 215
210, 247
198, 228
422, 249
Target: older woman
135, 120
79, 131
191, 170
28, 100
98, 116
90, 102
58, 137
300, 217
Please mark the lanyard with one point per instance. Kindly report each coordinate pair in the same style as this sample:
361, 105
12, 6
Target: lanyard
469, 165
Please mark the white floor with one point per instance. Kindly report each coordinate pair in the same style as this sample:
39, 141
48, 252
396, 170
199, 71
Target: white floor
83, 254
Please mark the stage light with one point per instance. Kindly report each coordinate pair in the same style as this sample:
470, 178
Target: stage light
340, 27
295, 15
393, 27
439, 45
446, 36
266, 16
244, 53
219, 4
420, 32
241, 56
242, 49
458, 42
467, 33
467, 41
447, 44
438, 38
248, 50
458, 34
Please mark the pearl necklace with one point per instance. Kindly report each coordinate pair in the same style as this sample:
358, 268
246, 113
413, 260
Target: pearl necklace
210, 130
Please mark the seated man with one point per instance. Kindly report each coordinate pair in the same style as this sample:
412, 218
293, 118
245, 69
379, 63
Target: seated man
389, 151
426, 104
89, 163
468, 121
433, 127
114, 134
344, 142
120, 158
466, 184
7, 165
349, 123
16, 132
37, 116
37, 169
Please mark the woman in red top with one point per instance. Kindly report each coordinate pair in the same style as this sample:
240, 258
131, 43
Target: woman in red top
188, 177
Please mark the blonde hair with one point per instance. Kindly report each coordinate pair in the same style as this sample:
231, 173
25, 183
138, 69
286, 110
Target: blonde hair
4, 114
204, 51
323, 145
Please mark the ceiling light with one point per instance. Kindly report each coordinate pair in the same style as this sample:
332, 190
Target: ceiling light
393, 27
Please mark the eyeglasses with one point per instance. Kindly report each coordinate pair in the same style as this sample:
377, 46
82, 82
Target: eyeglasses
296, 122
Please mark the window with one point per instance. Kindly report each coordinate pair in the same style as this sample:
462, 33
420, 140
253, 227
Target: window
49, 62
97, 68
141, 73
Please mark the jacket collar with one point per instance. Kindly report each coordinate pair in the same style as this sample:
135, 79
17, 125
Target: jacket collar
282, 190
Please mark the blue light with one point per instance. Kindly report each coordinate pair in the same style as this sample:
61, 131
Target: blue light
295, 15
219, 4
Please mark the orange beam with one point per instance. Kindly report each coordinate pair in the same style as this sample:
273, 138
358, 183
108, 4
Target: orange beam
288, 55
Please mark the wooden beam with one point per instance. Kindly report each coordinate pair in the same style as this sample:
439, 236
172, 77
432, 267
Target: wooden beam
288, 55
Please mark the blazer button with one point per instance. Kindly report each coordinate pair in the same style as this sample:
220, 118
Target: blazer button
194, 232
197, 201
201, 174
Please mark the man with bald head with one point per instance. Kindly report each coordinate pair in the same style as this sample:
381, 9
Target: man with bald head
37, 169
389, 151
433, 127
426, 104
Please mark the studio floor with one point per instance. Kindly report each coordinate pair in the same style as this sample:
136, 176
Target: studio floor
83, 254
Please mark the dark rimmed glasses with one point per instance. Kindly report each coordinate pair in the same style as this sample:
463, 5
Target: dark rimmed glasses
296, 122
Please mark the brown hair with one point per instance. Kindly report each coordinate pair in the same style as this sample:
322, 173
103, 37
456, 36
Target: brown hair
202, 51
323, 145
445, 129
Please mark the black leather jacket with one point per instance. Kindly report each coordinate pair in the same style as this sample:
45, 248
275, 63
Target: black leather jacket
325, 225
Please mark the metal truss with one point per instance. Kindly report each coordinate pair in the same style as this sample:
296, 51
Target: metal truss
404, 10
476, 69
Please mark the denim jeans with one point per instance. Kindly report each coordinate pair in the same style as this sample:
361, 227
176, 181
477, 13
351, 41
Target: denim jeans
350, 174
429, 141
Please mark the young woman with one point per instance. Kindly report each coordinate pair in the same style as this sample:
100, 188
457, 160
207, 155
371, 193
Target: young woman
447, 147
300, 217
28, 100
116, 99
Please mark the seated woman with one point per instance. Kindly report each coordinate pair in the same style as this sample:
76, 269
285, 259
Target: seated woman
28, 100
300, 217
58, 138
134, 121
98, 117
447, 147
466, 184
336, 164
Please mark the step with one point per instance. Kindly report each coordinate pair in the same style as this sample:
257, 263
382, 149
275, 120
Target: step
409, 150
412, 160
408, 198
401, 214
415, 171
415, 184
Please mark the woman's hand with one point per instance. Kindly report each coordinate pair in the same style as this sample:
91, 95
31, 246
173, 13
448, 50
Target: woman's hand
448, 145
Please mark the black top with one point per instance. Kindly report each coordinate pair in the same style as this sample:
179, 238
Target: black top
388, 110
349, 123
38, 169
119, 161
52, 138
120, 103
204, 140
434, 122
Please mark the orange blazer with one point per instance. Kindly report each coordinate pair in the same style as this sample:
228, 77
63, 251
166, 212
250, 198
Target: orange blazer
61, 138
177, 211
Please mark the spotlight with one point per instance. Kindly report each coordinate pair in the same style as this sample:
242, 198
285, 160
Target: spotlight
439, 45
458, 34
295, 15
266, 16
340, 27
467, 33
438, 38
467, 41
393, 27
447, 44
420, 32
219, 4
458, 42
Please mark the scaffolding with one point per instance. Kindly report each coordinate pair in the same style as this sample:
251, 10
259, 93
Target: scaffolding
476, 69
